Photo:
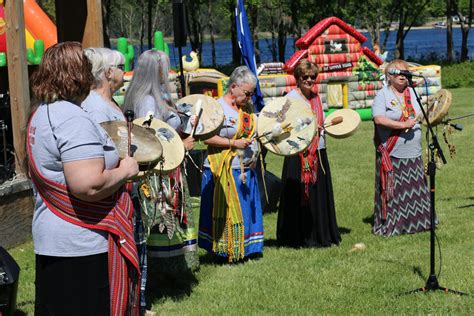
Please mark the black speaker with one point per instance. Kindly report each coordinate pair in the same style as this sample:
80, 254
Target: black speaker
9, 273
179, 23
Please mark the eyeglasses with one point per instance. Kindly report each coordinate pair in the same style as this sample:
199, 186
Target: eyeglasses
247, 93
306, 77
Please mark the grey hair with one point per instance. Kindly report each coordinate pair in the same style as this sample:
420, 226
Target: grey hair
150, 77
242, 75
102, 59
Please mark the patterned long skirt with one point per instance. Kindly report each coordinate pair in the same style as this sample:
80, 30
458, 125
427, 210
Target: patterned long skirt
409, 210
249, 198
170, 229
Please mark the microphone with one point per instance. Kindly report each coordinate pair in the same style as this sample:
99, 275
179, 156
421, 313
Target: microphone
394, 71
458, 127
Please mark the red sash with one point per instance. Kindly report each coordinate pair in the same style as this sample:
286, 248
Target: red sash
112, 215
387, 180
309, 158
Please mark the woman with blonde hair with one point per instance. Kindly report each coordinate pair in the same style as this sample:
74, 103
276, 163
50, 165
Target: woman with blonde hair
402, 202
307, 213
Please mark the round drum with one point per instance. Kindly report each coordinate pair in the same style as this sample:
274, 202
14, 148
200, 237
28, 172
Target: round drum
341, 129
173, 147
212, 116
145, 148
438, 106
286, 126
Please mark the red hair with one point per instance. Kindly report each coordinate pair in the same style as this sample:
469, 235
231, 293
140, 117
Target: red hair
64, 73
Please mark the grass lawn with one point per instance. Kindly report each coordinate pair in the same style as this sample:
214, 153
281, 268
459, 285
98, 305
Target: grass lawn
333, 280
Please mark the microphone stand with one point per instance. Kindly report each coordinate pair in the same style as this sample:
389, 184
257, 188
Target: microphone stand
432, 283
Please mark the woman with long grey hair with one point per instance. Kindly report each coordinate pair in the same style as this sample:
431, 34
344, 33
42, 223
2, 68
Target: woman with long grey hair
172, 244
148, 90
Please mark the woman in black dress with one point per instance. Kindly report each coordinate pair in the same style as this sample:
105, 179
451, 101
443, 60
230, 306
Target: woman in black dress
307, 216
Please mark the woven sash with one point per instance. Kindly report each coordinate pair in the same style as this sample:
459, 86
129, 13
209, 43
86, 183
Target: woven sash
112, 215
387, 180
227, 221
309, 157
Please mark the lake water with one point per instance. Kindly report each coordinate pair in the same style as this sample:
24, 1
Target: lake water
418, 43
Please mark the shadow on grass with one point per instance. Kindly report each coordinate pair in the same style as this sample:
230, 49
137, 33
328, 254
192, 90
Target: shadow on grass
466, 206
19, 306
369, 220
211, 259
175, 287
171, 277
273, 243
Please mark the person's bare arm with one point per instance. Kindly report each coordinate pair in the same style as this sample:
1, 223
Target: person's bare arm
222, 142
88, 179
389, 123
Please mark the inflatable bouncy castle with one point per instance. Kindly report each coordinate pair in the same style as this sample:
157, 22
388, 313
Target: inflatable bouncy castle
349, 73
40, 32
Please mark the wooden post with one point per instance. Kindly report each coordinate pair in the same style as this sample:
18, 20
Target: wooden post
93, 32
18, 79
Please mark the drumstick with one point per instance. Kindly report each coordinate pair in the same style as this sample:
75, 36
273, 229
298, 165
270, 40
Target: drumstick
199, 113
129, 116
283, 127
335, 121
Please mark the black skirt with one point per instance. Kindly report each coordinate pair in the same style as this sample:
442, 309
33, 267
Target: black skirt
310, 224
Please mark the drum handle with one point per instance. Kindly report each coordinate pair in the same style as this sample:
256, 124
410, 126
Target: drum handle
129, 116
198, 118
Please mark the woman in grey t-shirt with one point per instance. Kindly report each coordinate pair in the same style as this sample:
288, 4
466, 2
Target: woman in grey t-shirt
79, 195
402, 202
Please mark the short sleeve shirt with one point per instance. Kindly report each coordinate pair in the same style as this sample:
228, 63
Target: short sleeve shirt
78, 137
387, 104
98, 108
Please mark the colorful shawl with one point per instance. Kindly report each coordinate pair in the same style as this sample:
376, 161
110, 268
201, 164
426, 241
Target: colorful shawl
227, 220
112, 215
387, 181
309, 158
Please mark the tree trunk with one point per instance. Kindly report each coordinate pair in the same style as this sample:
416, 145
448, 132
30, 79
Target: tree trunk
196, 32
211, 32
236, 55
150, 29
465, 27
142, 25
399, 42
449, 31
253, 14
282, 28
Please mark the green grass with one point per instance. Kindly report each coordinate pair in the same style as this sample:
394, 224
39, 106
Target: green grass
334, 281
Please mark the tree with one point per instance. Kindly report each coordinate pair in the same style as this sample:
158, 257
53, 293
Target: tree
210, 25
374, 18
253, 7
408, 12
466, 24
449, 30
194, 20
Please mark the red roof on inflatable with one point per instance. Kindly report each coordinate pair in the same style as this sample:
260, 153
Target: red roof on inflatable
312, 34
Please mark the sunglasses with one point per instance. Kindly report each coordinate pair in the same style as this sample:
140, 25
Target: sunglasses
306, 77
120, 66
